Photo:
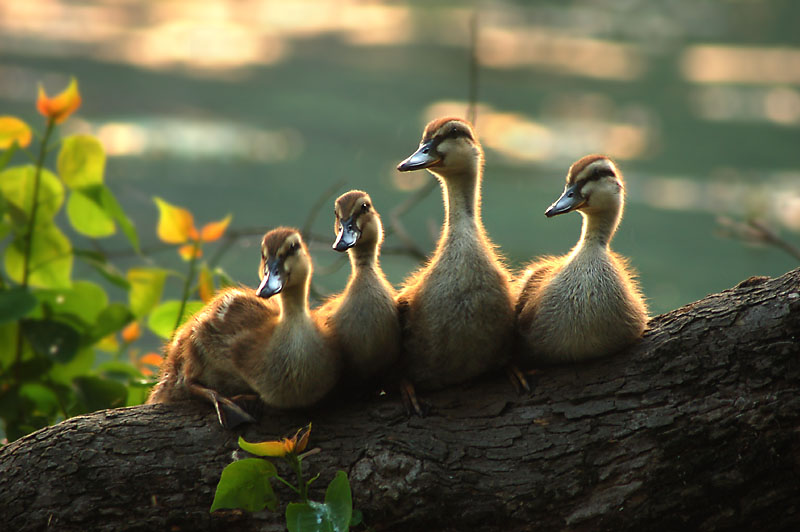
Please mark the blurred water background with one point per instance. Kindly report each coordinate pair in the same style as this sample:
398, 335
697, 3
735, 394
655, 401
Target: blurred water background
259, 108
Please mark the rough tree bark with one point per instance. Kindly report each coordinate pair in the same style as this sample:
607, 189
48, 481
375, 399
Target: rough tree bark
695, 428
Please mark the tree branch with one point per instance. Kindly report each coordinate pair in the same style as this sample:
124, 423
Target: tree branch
697, 427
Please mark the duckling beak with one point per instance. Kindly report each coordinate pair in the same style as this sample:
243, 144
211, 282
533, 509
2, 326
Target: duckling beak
348, 235
424, 157
570, 200
273, 279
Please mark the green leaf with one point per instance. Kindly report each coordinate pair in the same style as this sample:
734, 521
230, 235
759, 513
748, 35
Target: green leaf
111, 319
147, 284
357, 519
339, 501
84, 299
87, 215
50, 259
5, 158
81, 161
162, 319
116, 369
44, 398
138, 392
245, 484
16, 185
114, 210
52, 339
8, 343
311, 517
15, 303
98, 261
81, 364
96, 393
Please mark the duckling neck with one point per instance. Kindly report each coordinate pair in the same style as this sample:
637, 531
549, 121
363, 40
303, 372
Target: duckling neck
363, 258
462, 204
598, 228
294, 301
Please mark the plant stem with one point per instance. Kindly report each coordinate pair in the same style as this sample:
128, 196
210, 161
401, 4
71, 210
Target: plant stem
35, 206
187, 285
297, 465
287, 483
28, 238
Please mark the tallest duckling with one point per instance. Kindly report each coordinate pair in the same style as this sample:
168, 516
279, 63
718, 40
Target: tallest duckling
457, 311
585, 304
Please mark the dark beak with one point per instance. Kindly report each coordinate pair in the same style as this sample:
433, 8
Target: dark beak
424, 157
273, 279
348, 235
570, 200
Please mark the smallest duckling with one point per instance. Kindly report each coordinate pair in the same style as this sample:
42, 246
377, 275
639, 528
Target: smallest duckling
586, 304
363, 318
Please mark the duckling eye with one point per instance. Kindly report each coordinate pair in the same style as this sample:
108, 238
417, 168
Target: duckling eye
293, 247
364, 207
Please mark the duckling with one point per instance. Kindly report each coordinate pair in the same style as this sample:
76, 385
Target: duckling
288, 359
198, 361
586, 304
243, 342
457, 311
363, 318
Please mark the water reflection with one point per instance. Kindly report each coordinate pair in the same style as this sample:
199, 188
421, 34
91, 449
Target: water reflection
740, 64
192, 139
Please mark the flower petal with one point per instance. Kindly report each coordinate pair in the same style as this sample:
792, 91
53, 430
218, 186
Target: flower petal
205, 284
60, 106
302, 442
13, 129
264, 448
214, 230
188, 251
131, 332
175, 224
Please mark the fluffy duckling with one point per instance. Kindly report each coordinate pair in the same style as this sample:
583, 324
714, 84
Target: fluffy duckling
457, 311
363, 318
198, 361
288, 359
585, 304
242, 341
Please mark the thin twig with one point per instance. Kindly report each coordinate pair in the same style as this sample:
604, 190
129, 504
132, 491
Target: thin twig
758, 232
314, 212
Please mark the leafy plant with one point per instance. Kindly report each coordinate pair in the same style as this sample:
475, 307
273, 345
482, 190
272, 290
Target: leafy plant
246, 484
62, 339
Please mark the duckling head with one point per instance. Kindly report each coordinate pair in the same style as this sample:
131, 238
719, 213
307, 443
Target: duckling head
357, 221
594, 186
285, 262
449, 148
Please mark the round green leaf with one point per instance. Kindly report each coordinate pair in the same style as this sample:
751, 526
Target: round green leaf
16, 186
50, 260
162, 319
44, 398
97, 394
88, 216
84, 299
339, 501
147, 284
245, 484
81, 364
111, 319
311, 517
81, 161
52, 339
15, 303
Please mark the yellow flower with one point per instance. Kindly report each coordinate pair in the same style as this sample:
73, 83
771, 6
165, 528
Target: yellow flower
60, 106
294, 445
13, 129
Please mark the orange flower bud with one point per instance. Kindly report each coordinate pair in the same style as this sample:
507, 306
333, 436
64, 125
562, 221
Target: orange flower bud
59, 107
131, 332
